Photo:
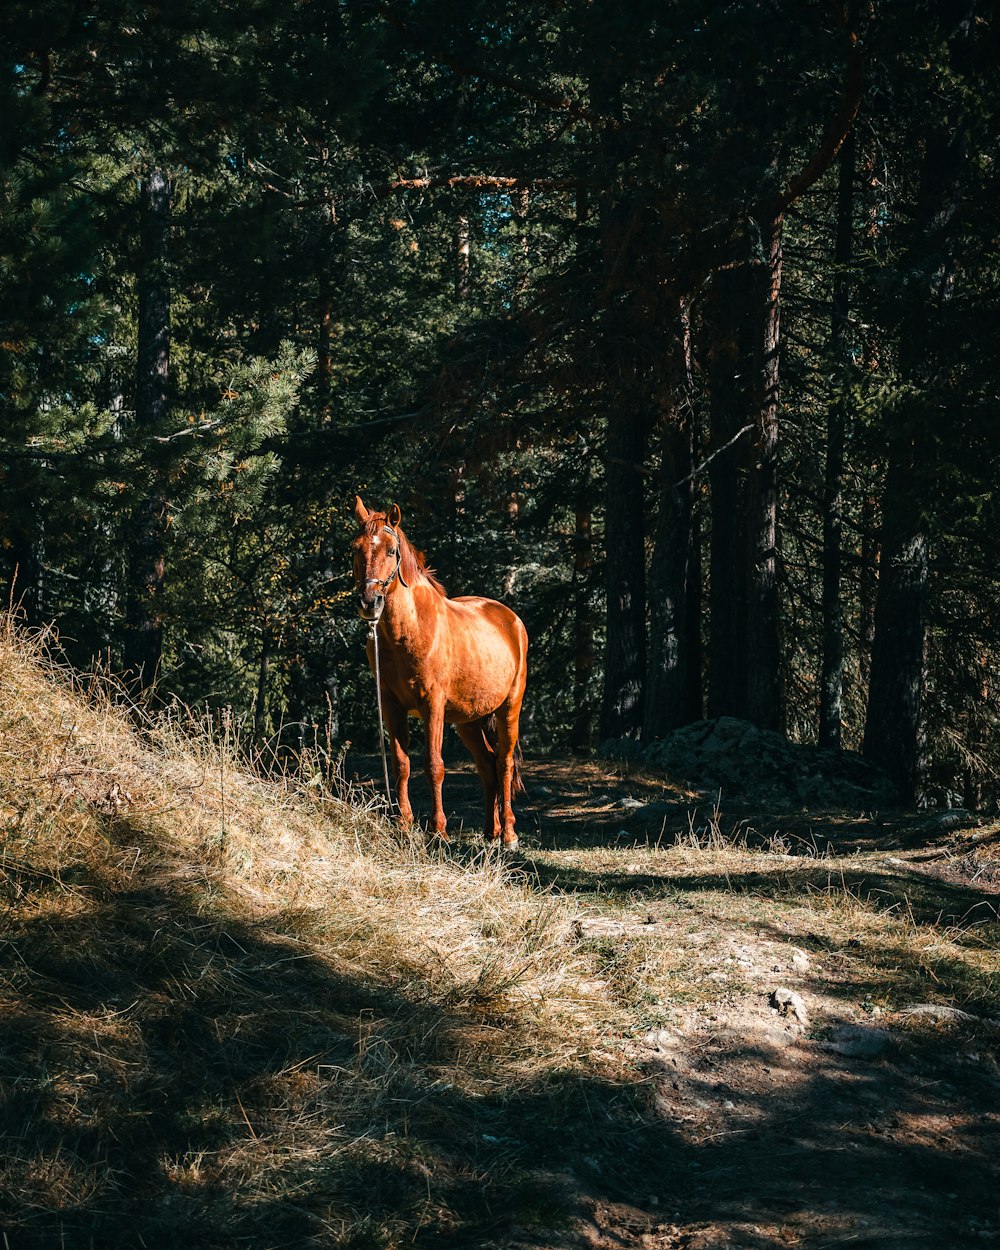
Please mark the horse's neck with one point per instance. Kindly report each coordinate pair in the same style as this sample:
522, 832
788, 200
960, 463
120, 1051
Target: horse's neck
399, 618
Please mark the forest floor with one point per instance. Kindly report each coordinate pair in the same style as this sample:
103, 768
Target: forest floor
816, 1005
242, 1012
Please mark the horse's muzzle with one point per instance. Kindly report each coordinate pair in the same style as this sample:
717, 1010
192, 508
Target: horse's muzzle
370, 609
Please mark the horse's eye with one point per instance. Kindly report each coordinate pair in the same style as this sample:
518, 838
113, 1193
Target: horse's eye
392, 551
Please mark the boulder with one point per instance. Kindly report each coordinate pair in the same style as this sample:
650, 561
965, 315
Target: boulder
760, 767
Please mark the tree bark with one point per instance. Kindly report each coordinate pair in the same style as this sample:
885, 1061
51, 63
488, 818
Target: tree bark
744, 640
894, 729
673, 651
831, 700
695, 697
626, 436
727, 473
144, 624
869, 583
584, 616
263, 669
625, 571
582, 730
764, 700
463, 259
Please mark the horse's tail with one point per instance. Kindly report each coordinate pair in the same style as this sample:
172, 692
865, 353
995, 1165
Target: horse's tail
517, 784
490, 730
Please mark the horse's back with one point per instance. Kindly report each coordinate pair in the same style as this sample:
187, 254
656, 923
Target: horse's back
478, 616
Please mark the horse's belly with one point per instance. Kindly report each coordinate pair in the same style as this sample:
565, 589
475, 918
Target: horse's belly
461, 712
479, 690
413, 696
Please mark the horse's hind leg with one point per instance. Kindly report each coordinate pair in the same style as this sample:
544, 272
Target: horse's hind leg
474, 737
507, 716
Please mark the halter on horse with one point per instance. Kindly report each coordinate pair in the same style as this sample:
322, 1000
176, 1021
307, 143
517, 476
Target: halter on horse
459, 661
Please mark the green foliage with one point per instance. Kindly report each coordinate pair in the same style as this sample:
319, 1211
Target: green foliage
360, 301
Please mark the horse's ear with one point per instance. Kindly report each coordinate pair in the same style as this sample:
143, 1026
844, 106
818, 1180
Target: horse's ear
395, 516
360, 511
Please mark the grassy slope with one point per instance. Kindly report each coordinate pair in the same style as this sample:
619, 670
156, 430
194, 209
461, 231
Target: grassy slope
241, 1014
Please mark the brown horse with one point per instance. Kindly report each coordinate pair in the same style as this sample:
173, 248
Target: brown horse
462, 661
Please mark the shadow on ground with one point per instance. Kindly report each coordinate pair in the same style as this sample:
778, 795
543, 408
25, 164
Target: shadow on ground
170, 1078
734, 1140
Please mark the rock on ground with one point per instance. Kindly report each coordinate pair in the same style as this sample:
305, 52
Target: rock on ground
760, 767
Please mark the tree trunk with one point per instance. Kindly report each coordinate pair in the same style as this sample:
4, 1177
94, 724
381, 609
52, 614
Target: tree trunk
744, 644
892, 727
894, 730
695, 699
672, 648
764, 703
727, 473
582, 730
584, 616
625, 449
260, 702
625, 571
831, 697
144, 625
869, 583
454, 508
463, 259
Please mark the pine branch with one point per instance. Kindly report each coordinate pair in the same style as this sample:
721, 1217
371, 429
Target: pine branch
478, 182
557, 103
190, 431
840, 123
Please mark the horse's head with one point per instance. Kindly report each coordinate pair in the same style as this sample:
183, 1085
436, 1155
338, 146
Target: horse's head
378, 557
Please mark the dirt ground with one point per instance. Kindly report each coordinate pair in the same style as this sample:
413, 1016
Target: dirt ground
814, 1061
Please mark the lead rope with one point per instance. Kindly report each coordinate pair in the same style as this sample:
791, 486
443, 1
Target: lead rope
373, 634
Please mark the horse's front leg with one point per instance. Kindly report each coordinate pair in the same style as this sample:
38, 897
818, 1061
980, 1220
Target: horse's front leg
434, 765
399, 740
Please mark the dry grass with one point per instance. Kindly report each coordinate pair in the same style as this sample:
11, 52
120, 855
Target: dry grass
247, 1010
887, 937
172, 807
240, 1011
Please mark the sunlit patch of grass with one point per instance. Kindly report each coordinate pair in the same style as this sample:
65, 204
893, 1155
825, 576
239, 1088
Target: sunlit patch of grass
882, 938
904, 956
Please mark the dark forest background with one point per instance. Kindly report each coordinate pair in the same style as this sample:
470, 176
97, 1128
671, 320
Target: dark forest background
674, 325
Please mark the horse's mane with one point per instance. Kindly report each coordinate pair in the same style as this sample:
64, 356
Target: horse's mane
413, 563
